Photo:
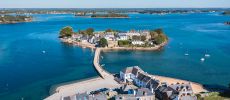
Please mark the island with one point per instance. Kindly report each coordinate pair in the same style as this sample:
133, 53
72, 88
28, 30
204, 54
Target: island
115, 39
227, 23
10, 19
110, 15
226, 13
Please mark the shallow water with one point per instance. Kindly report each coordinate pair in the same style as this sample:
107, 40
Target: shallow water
26, 72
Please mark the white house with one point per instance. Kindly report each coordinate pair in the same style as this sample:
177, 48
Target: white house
185, 91
109, 36
131, 34
138, 42
138, 77
122, 36
92, 40
76, 36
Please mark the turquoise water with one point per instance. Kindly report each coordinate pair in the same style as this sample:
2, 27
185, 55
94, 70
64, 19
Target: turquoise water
26, 72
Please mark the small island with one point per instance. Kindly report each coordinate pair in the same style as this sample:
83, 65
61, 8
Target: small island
227, 23
110, 15
226, 13
115, 39
10, 19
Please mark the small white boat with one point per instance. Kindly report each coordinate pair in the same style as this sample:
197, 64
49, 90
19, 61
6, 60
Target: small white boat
207, 55
102, 65
43, 51
186, 54
202, 59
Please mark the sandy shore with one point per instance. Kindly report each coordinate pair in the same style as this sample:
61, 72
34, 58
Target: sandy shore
81, 87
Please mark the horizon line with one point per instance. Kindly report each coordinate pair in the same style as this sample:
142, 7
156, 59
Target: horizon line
122, 8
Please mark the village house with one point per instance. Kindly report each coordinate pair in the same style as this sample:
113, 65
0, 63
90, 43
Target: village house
76, 36
138, 77
175, 92
185, 91
137, 42
146, 34
138, 94
109, 36
122, 36
112, 44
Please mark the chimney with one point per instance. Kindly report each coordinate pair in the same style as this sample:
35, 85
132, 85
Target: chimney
152, 90
144, 93
134, 92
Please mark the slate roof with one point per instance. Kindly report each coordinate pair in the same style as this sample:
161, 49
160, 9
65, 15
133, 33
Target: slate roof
127, 70
135, 71
143, 92
153, 84
179, 87
146, 79
164, 92
140, 76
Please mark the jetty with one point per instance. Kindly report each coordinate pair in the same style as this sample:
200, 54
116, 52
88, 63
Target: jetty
103, 73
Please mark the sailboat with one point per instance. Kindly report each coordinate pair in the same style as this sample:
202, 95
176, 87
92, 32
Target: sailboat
186, 54
206, 54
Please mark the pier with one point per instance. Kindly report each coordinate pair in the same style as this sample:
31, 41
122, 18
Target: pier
103, 73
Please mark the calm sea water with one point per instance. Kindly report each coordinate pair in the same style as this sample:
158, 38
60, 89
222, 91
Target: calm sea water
26, 72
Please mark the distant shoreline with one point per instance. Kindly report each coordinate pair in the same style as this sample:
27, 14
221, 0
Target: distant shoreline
15, 22
110, 17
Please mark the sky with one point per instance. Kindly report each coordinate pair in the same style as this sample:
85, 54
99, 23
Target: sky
114, 3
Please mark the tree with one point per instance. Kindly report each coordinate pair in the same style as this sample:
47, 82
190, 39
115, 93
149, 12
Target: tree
135, 37
153, 34
109, 30
89, 31
143, 38
160, 39
103, 42
159, 31
123, 42
66, 32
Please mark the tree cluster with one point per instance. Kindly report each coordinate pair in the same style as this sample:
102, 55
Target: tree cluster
103, 42
87, 32
124, 42
66, 32
158, 36
109, 15
17, 18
